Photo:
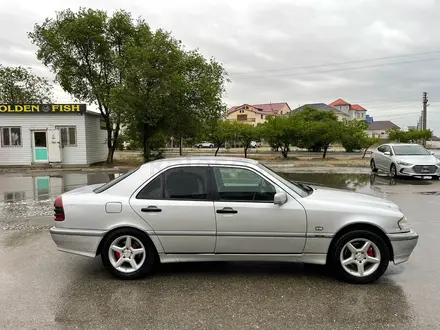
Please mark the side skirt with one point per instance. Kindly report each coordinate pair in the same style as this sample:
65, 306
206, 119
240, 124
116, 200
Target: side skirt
319, 259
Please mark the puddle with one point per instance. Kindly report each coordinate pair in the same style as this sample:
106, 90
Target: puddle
32, 196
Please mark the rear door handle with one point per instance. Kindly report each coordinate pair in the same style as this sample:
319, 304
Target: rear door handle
151, 209
227, 210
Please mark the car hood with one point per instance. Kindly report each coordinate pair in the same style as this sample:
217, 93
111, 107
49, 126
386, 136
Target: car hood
418, 160
349, 198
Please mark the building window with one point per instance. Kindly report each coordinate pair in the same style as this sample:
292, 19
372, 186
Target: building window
11, 136
241, 111
262, 116
68, 136
281, 112
16, 196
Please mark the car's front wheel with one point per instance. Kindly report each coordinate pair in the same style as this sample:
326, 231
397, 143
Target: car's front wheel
360, 257
393, 171
128, 254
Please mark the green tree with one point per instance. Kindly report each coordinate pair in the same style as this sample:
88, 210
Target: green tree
219, 132
410, 136
368, 142
280, 133
86, 51
168, 89
20, 85
317, 129
245, 134
353, 134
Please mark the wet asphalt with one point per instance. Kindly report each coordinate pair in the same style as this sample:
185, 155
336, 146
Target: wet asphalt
45, 289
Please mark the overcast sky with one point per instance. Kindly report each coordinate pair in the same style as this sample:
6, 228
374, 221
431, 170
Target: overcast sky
382, 54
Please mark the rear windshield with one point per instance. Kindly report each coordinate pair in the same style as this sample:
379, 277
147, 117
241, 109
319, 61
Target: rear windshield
114, 181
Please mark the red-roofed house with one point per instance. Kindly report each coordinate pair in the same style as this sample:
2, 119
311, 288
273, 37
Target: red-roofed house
355, 111
256, 113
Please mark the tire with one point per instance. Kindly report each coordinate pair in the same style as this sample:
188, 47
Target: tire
393, 171
372, 270
373, 166
146, 261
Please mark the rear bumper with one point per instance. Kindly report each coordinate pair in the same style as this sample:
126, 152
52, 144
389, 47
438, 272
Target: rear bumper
77, 241
403, 245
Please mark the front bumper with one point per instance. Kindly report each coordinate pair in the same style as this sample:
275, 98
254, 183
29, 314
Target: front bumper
77, 241
409, 171
403, 245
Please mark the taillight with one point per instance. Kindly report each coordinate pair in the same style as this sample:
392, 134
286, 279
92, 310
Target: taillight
59, 210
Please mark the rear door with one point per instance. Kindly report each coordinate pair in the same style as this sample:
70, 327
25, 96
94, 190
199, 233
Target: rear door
248, 221
178, 205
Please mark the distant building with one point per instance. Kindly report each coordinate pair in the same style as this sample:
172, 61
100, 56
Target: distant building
354, 111
323, 107
412, 127
380, 128
256, 113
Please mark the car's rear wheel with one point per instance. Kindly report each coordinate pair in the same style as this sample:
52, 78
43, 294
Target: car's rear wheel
393, 171
128, 254
360, 257
373, 166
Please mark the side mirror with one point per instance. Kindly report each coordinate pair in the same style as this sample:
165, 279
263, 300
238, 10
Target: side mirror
387, 153
280, 198
432, 153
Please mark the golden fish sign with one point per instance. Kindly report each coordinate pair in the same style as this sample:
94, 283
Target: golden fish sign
43, 108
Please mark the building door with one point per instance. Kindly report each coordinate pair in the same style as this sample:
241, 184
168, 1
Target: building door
39, 146
54, 145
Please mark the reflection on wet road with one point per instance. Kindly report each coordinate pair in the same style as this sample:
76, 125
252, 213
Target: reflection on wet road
43, 288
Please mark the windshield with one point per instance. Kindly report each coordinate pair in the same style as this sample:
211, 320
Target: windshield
114, 181
296, 187
410, 150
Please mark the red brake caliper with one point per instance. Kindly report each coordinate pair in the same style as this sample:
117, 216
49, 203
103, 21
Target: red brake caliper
370, 252
118, 255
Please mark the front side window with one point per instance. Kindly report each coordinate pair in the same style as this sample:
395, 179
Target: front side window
11, 136
242, 185
382, 148
68, 136
181, 183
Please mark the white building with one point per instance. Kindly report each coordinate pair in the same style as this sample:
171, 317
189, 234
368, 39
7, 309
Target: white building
51, 134
354, 111
379, 129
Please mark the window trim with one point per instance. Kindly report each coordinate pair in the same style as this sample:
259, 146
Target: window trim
68, 136
10, 145
210, 185
217, 197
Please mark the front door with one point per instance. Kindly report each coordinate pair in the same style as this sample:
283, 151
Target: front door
248, 221
178, 206
39, 146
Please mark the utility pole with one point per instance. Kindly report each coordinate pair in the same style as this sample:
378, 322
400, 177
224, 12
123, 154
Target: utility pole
425, 113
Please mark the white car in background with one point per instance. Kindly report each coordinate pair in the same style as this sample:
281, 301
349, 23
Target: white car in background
399, 159
205, 145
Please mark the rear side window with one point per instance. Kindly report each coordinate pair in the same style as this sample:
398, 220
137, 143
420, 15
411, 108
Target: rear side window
114, 181
182, 183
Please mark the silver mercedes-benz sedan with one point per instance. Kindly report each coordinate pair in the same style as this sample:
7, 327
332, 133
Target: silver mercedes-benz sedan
228, 209
403, 159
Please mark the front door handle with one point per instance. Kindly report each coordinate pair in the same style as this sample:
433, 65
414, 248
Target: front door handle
151, 209
227, 210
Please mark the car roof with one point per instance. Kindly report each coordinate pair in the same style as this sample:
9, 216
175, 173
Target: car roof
200, 160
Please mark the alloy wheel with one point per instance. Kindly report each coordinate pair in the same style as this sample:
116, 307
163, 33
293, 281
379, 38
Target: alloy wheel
373, 165
360, 257
127, 254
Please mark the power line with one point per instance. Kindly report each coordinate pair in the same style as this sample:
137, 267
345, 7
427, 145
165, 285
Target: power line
338, 63
341, 69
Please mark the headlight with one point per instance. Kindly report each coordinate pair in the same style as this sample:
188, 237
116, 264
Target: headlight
438, 164
404, 163
404, 224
